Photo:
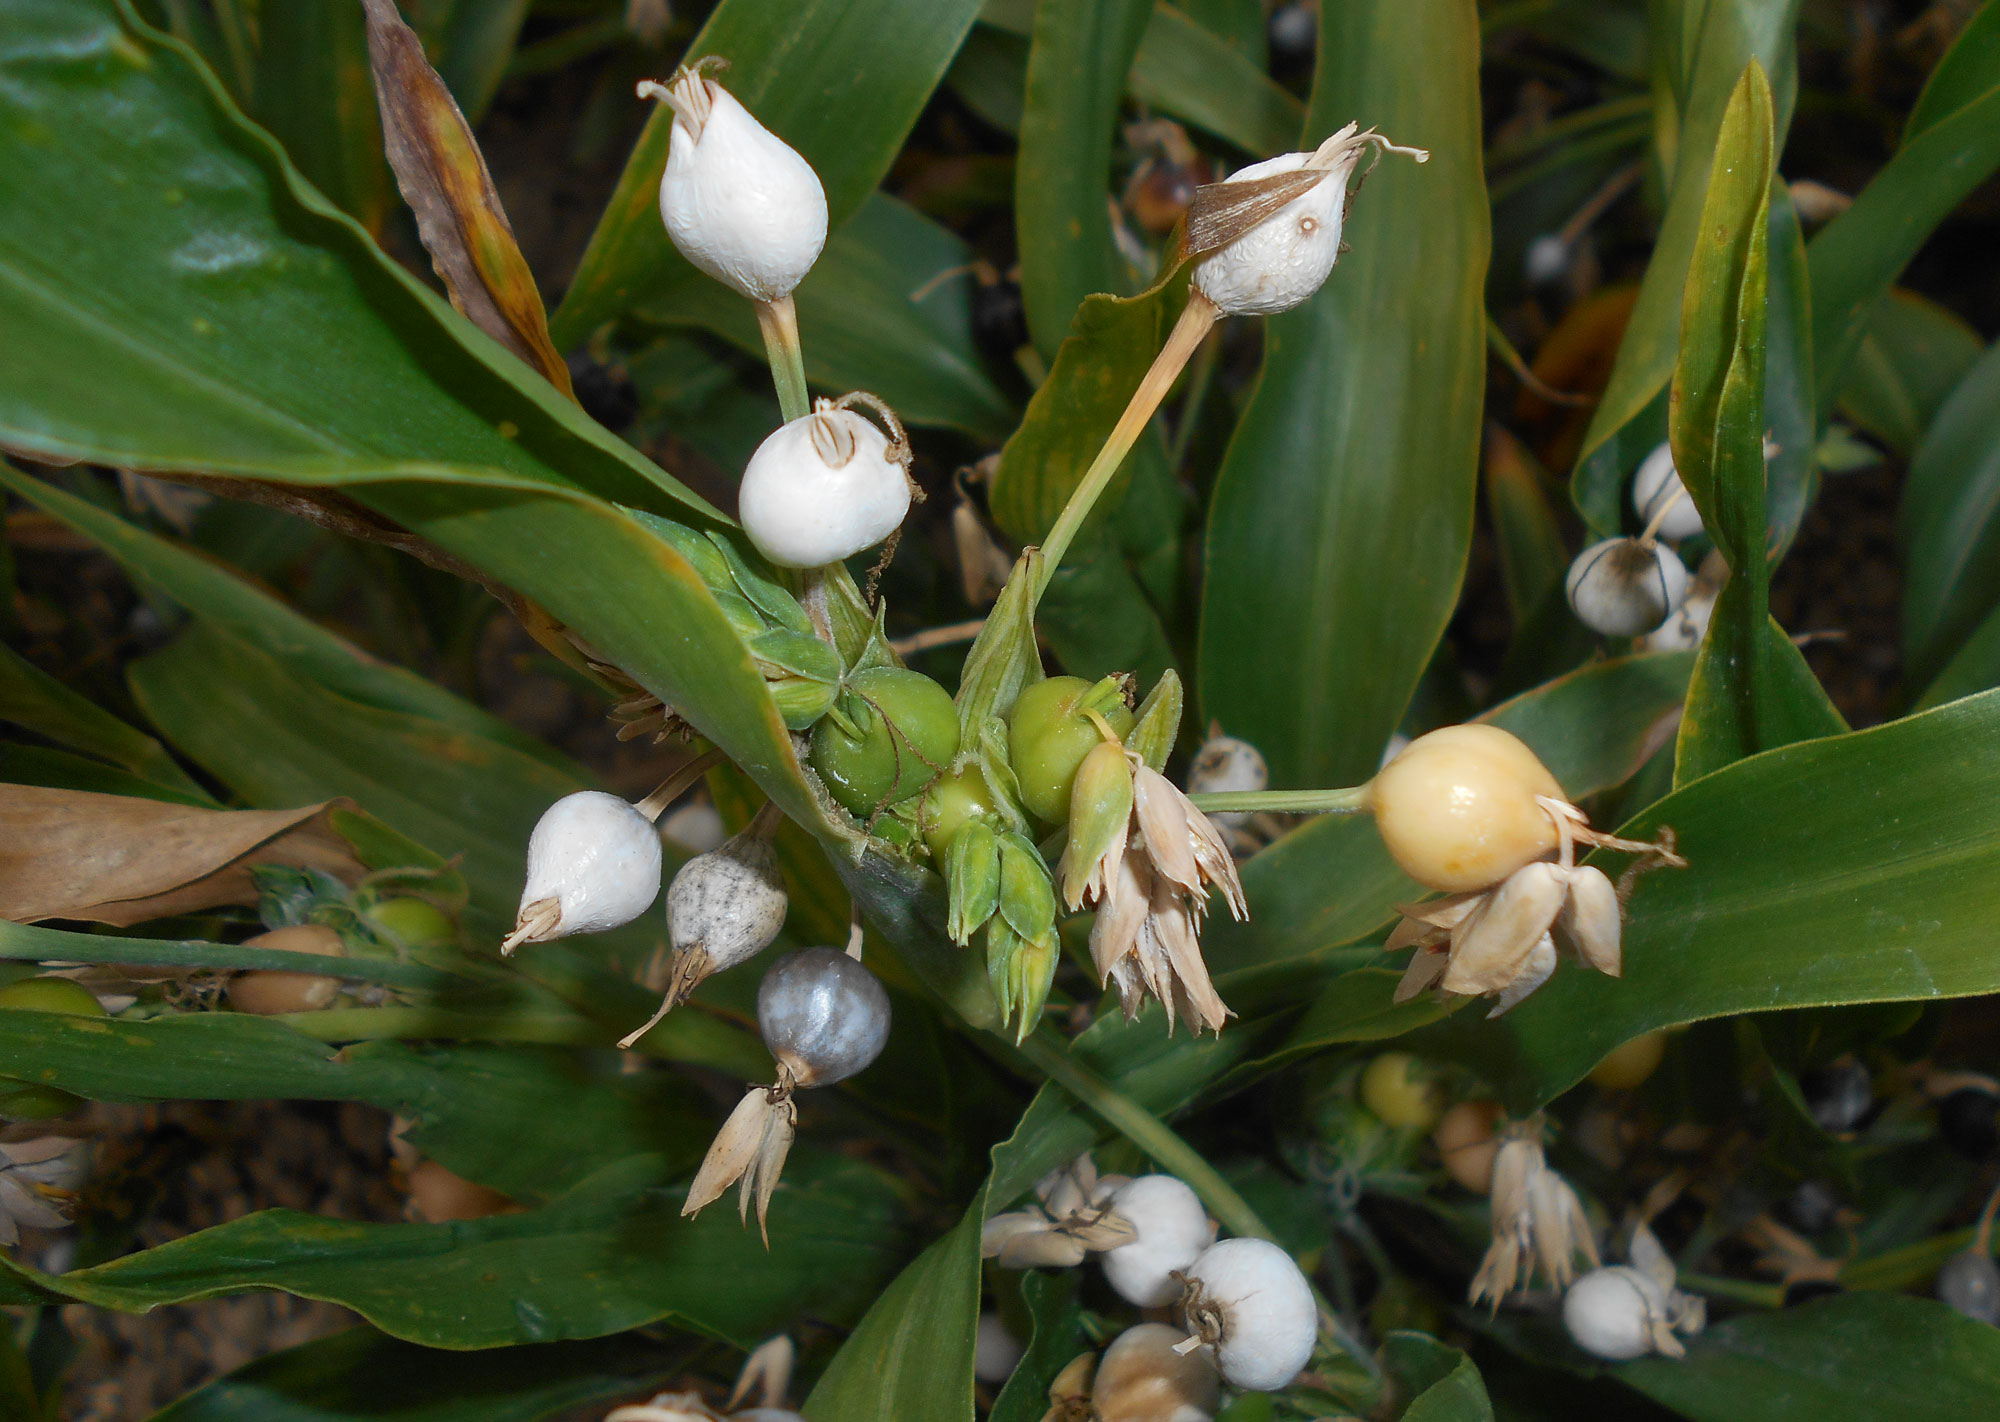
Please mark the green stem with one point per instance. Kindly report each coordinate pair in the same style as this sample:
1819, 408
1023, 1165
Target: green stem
1351, 800
1740, 1291
1198, 318
369, 1024
779, 322
1146, 1131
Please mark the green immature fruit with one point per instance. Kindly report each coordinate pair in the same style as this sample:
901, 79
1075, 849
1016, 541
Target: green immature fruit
411, 923
953, 802
888, 736
44, 1103
1049, 734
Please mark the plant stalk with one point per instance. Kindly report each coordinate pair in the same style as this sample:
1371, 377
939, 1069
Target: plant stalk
1146, 1131
778, 322
1198, 318
1351, 800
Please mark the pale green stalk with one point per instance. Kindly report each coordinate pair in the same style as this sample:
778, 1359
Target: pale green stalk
1351, 800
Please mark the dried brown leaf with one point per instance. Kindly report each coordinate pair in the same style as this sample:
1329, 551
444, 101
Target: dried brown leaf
443, 178
120, 860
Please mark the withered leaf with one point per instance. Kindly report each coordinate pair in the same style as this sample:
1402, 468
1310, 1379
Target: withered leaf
443, 178
1221, 212
122, 860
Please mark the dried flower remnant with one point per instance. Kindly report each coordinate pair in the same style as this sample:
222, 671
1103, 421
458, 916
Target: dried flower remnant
38, 1180
768, 1370
1471, 810
1537, 1220
1141, 1378
1073, 1216
1145, 858
1629, 1310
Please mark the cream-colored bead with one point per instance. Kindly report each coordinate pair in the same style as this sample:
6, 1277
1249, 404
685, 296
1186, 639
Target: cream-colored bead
1458, 808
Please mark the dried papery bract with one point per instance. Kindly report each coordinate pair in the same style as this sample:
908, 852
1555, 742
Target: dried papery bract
749, 1151
1537, 1221
38, 1180
1073, 1216
1145, 858
723, 908
827, 485
593, 864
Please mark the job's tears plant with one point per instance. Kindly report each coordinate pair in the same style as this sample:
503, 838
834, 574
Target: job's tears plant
1253, 491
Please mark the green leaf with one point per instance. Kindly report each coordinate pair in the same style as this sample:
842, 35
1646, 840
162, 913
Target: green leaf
1526, 535
1354, 466
1912, 356
1731, 34
1950, 522
611, 1255
1332, 882
1185, 69
1051, 1302
911, 1356
1080, 54
1751, 688
1880, 1357
312, 90
1444, 1383
478, 42
1951, 146
24, 942
246, 326
878, 312
842, 81
32, 698
361, 1374
1864, 875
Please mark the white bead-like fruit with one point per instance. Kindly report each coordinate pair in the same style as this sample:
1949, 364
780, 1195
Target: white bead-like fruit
822, 488
1287, 257
1610, 1312
738, 201
995, 1351
1227, 766
1173, 1229
1656, 486
1249, 1301
598, 858
1623, 587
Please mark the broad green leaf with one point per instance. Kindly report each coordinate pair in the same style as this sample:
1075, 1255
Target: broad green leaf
880, 311
1442, 1383
1331, 881
313, 92
1974, 668
1526, 535
1951, 146
1730, 34
364, 1376
1879, 1357
1751, 689
1354, 466
612, 1254
1863, 875
842, 81
32, 698
1050, 1297
1951, 522
911, 1356
246, 326
1080, 53
1911, 358
478, 41
1185, 69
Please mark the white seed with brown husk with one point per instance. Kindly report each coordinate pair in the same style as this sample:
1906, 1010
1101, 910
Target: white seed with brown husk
1227, 765
824, 1017
1247, 1302
1141, 1378
1271, 232
738, 201
826, 486
593, 864
723, 908
1172, 1230
1625, 587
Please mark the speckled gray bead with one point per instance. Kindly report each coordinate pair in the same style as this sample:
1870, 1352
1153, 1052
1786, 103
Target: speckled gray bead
729, 902
823, 1015
1970, 1283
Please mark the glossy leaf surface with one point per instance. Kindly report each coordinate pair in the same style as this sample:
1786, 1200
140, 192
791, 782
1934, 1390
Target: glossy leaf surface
1353, 468
1951, 521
